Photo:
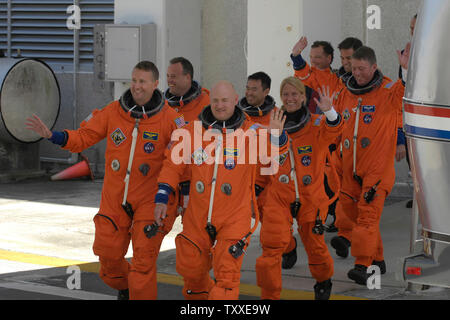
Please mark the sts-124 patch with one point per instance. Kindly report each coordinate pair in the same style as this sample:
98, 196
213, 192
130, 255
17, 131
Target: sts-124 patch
118, 137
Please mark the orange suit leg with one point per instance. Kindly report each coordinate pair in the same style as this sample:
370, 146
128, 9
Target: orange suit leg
110, 245
291, 245
142, 277
227, 271
346, 215
321, 265
193, 264
114, 273
275, 236
261, 201
366, 238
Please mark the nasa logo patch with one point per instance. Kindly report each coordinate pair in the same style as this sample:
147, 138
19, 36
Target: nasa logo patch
368, 119
230, 163
306, 161
149, 147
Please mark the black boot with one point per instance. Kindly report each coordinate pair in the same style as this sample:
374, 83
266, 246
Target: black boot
359, 274
290, 258
341, 245
322, 290
381, 264
409, 204
123, 295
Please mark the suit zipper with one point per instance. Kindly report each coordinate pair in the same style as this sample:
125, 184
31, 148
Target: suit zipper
180, 235
108, 218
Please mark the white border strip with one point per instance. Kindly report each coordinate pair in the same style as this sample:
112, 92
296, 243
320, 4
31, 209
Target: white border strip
428, 122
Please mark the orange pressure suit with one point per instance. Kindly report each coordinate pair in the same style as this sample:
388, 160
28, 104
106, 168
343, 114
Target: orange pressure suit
379, 106
113, 226
261, 115
317, 79
234, 196
310, 148
189, 106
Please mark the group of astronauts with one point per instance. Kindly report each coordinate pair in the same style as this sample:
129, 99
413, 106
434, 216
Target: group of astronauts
333, 141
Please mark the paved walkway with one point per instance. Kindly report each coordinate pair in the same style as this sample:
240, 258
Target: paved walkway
46, 226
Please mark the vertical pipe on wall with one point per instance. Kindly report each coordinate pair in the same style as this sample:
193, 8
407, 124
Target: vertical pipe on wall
76, 61
365, 5
8, 45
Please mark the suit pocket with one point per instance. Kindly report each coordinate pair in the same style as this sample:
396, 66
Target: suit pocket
110, 241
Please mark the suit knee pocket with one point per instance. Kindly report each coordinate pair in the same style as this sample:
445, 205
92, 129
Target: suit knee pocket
268, 272
110, 242
192, 262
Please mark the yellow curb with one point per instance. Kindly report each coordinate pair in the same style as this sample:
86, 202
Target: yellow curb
244, 289
37, 259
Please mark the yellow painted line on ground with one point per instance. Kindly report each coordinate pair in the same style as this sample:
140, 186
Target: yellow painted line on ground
36, 259
255, 291
244, 289
170, 279
47, 261
289, 294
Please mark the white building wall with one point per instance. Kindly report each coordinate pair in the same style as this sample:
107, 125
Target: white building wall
272, 29
321, 21
230, 39
224, 28
392, 35
178, 31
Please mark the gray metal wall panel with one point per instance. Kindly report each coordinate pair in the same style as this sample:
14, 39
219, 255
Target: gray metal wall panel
39, 30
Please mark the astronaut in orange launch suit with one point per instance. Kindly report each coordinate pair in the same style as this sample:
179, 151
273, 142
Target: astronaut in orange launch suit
137, 128
371, 106
217, 222
297, 192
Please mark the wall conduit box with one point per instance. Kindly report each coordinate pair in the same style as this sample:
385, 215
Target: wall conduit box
125, 45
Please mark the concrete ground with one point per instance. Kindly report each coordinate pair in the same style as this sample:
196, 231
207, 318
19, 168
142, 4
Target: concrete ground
46, 226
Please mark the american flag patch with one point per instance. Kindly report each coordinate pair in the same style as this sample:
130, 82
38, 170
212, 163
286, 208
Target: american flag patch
255, 126
89, 117
180, 122
317, 121
389, 85
170, 145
